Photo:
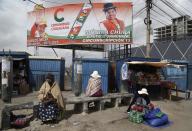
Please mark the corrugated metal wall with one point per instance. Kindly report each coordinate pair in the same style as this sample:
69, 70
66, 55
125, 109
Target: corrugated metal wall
39, 68
119, 63
102, 66
178, 75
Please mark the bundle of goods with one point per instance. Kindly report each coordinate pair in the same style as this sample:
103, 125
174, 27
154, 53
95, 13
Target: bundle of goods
156, 118
168, 84
135, 116
148, 78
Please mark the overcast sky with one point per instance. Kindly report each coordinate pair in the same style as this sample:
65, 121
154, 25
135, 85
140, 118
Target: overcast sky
13, 19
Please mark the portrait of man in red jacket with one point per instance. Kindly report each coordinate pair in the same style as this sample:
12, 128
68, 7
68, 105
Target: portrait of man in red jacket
112, 24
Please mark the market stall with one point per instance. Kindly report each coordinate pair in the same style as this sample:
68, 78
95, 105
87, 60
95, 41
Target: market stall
20, 69
149, 75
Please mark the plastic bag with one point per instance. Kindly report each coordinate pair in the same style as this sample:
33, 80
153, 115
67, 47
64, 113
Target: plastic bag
152, 114
158, 121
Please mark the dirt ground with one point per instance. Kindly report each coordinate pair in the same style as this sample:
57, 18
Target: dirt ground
113, 119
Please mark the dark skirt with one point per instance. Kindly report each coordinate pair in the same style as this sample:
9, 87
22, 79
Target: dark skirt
97, 94
48, 111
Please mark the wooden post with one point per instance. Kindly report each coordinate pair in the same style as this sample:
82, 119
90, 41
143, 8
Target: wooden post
177, 93
7, 79
169, 93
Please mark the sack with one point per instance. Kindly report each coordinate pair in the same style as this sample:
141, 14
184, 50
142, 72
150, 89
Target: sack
20, 121
152, 114
158, 121
156, 118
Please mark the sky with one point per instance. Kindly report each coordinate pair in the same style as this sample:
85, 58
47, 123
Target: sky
13, 28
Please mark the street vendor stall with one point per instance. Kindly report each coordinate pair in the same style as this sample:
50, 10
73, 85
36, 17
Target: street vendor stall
19, 71
147, 75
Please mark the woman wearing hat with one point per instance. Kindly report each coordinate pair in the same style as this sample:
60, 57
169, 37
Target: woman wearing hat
140, 101
51, 100
112, 24
94, 85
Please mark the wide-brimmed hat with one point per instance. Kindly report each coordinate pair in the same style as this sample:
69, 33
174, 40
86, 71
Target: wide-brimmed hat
95, 74
43, 22
143, 91
108, 6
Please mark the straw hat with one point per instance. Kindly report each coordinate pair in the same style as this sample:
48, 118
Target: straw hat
95, 74
143, 91
43, 22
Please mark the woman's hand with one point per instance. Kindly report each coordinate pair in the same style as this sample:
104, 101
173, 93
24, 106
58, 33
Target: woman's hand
150, 106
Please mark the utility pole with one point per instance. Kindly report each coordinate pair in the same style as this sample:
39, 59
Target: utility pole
36, 50
147, 21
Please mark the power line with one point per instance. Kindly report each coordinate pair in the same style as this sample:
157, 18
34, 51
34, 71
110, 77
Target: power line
154, 11
158, 21
174, 5
171, 7
139, 12
163, 11
160, 14
182, 7
159, 18
35, 3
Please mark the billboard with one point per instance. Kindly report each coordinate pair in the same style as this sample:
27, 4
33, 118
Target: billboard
83, 23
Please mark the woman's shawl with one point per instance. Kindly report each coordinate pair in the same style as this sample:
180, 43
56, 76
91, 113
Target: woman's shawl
55, 91
94, 85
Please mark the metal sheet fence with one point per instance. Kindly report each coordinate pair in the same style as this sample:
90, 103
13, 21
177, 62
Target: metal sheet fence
102, 66
37, 78
178, 73
88, 66
39, 68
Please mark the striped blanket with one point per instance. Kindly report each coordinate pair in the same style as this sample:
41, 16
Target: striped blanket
94, 87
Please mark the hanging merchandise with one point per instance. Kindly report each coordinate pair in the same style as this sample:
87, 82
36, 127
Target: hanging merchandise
124, 72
